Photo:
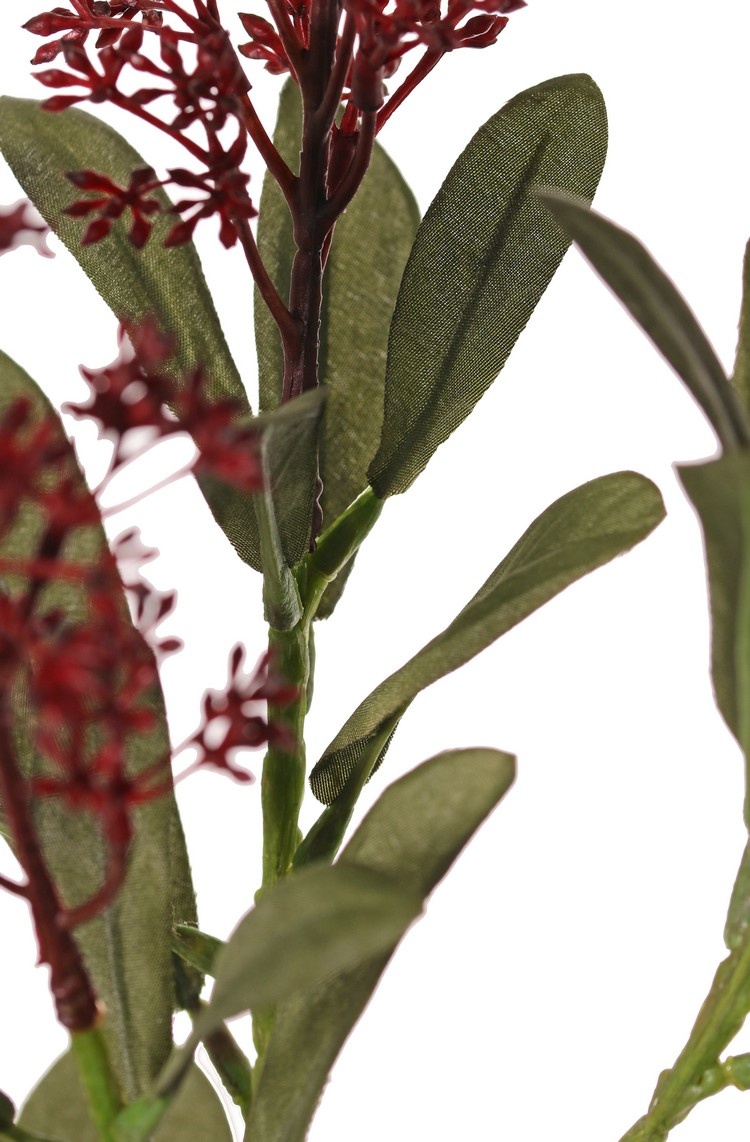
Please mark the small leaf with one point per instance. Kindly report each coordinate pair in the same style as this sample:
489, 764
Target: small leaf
741, 375
581, 531
197, 948
58, 1106
483, 256
663, 314
127, 948
370, 246
168, 284
413, 834
307, 927
720, 493
290, 445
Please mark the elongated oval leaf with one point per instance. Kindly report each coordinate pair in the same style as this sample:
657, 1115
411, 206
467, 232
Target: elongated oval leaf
413, 834
128, 948
483, 257
57, 1108
581, 531
371, 243
651, 298
305, 928
40, 147
312, 924
720, 493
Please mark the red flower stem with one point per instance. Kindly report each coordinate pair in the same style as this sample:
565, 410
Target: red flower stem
287, 34
415, 77
141, 112
14, 887
356, 170
136, 499
75, 1000
281, 315
285, 178
332, 98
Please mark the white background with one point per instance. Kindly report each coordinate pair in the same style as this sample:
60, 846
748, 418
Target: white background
561, 964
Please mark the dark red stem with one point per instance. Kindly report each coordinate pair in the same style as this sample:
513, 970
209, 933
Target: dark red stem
75, 1000
415, 77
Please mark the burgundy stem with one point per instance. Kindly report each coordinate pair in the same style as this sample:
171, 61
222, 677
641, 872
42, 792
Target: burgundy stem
75, 1000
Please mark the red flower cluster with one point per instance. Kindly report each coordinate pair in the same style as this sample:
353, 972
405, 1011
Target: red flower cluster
132, 397
20, 225
371, 37
231, 721
207, 93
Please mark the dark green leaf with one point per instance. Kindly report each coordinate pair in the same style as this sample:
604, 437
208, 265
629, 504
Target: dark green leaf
128, 948
168, 284
7, 1111
277, 248
369, 251
645, 290
290, 444
579, 532
483, 257
57, 1106
741, 375
720, 493
412, 834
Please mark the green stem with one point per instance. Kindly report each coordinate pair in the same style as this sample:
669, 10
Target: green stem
98, 1079
336, 546
283, 781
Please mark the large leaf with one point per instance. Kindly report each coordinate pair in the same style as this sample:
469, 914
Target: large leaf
582, 530
40, 147
720, 493
413, 834
57, 1108
304, 929
371, 243
483, 257
128, 948
663, 314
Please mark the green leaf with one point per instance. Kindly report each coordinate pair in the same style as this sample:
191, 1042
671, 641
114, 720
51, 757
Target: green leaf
741, 375
663, 314
309, 926
277, 248
40, 147
720, 493
128, 948
197, 948
413, 834
7, 1111
371, 243
57, 1106
483, 257
291, 435
581, 531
